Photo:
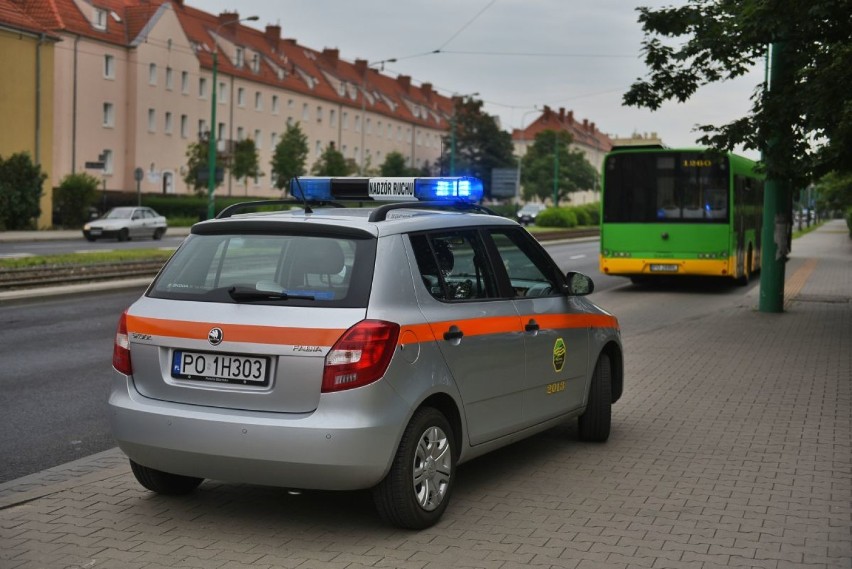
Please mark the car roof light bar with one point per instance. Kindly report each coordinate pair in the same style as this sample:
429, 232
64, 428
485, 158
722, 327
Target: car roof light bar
450, 189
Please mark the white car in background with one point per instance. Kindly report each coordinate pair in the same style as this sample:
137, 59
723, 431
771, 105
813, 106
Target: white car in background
125, 223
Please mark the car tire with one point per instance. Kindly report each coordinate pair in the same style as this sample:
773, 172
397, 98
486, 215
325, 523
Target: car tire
158, 233
89, 238
164, 482
595, 422
123, 235
417, 489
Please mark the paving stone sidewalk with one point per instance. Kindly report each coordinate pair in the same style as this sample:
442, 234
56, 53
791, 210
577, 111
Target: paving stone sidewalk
732, 447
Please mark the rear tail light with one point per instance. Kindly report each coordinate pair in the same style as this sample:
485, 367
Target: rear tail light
121, 349
361, 356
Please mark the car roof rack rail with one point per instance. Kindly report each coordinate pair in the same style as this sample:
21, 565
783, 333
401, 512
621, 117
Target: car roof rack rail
381, 212
237, 207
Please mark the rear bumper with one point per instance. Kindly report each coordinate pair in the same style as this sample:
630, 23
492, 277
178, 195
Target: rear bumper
331, 448
645, 267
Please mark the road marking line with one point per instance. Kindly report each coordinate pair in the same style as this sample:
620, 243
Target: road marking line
15, 255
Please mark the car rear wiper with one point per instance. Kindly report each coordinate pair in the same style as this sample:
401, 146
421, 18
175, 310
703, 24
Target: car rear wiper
241, 292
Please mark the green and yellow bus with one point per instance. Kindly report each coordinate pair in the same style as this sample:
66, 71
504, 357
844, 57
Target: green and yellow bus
675, 212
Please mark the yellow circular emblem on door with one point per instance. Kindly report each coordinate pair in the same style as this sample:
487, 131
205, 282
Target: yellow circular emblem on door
558, 355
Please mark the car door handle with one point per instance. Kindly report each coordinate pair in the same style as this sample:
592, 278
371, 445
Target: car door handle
532, 326
454, 333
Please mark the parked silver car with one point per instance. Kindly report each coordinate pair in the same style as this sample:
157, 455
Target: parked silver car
125, 223
343, 349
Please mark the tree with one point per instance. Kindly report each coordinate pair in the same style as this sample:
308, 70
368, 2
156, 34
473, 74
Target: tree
480, 144
290, 156
395, 165
538, 165
245, 163
20, 191
834, 192
196, 175
332, 163
73, 198
808, 118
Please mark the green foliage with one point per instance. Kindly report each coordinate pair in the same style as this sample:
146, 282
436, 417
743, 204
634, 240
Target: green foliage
332, 163
245, 163
593, 210
395, 165
196, 161
806, 114
508, 210
480, 144
186, 210
290, 156
73, 198
557, 217
20, 191
90, 258
834, 191
537, 170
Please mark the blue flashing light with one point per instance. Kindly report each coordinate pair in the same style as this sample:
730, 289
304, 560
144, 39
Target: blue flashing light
452, 188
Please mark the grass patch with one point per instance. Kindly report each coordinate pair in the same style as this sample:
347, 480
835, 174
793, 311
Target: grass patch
86, 258
805, 230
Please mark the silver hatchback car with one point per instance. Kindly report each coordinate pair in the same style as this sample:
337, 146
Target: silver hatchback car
350, 348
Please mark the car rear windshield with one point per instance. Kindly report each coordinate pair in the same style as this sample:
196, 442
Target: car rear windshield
296, 270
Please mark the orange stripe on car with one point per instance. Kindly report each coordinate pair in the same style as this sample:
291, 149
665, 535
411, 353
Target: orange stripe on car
234, 332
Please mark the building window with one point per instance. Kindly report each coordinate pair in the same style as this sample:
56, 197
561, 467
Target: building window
152, 120
358, 123
275, 104
258, 101
306, 112
202, 87
241, 58
109, 66
109, 115
289, 121
170, 80
241, 133
241, 97
332, 117
319, 114
255, 63
108, 161
100, 19
345, 120
168, 123
152, 74
184, 126
369, 127
223, 92
273, 140
258, 141
290, 103
319, 148
184, 82
221, 133
202, 127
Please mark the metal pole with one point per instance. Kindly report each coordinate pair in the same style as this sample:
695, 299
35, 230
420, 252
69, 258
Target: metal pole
453, 141
211, 151
775, 201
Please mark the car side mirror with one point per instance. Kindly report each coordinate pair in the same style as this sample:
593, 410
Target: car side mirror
578, 284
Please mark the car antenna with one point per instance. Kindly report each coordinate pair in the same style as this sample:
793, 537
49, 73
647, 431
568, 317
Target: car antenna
302, 193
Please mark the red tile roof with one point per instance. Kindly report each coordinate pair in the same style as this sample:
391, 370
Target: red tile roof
584, 132
13, 16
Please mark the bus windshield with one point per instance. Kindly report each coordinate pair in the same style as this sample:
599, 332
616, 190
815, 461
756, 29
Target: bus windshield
666, 187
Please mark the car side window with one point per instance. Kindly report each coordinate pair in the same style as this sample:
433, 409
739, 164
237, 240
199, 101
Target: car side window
529, 271
453, 265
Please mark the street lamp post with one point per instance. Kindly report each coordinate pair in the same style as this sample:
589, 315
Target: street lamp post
453, 133
211, 150
381, 64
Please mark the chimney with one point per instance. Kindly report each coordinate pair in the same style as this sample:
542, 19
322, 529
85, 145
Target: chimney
547, 113
570, 117
426, 88
585, 124
404, 82
273, 36
331, 55
360, 66
592, 126
561, 114
228, 21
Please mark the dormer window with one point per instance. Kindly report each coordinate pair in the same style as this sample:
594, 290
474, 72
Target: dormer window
255, 64
240, 57
101, 19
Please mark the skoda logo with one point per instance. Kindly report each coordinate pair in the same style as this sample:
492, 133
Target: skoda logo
215, 336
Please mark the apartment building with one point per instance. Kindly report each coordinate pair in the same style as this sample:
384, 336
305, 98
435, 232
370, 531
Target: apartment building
133, 84
26, 96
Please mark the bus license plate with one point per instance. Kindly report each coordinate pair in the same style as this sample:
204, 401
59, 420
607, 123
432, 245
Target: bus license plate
664, 268
223, 368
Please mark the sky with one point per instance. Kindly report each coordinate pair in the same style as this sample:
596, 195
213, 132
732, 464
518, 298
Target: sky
518, 55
